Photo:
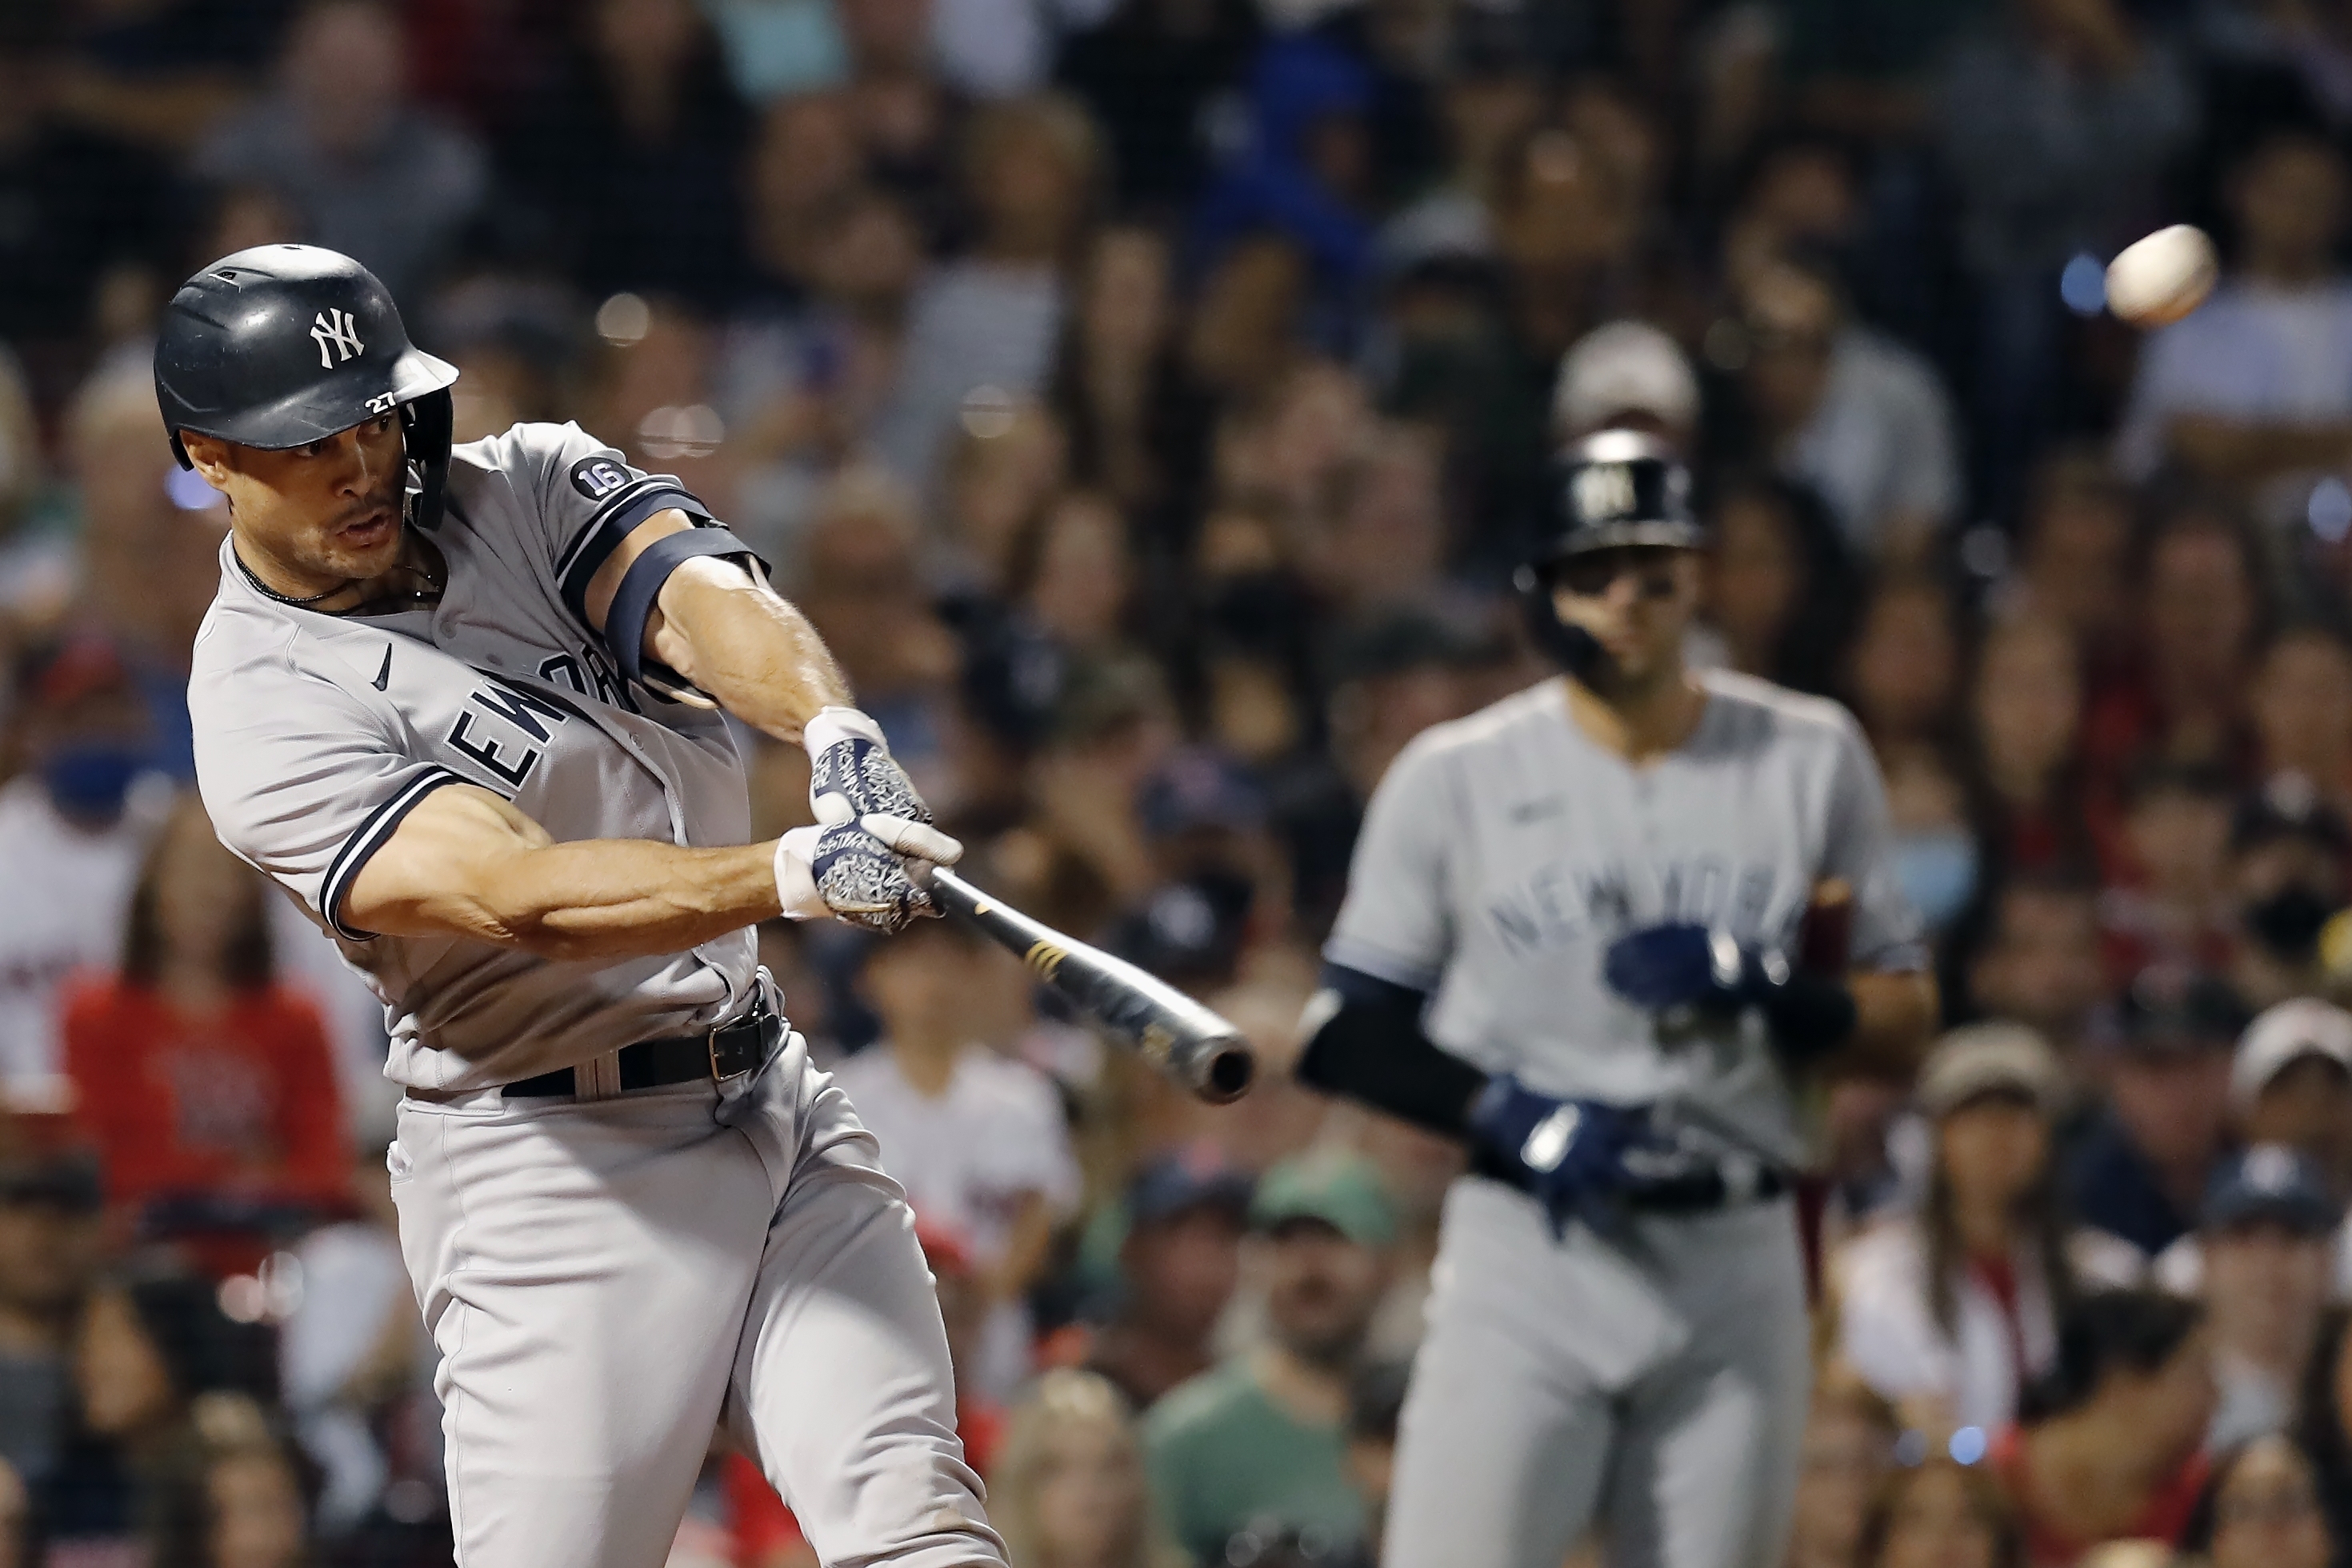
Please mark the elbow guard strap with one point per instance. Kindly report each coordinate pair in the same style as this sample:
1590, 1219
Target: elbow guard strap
1367, 1045
641, 586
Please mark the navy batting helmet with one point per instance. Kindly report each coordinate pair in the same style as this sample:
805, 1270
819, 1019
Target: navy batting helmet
285, 344
1612, 490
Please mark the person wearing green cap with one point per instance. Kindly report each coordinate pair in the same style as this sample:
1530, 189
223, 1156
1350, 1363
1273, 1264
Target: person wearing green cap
1258, 1447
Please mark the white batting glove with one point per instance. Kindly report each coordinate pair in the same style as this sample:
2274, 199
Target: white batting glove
853, 778
847, 873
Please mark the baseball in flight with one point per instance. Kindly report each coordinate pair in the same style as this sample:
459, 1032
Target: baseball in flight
2155, 281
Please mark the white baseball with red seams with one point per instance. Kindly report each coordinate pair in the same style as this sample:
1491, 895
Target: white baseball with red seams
2155, 281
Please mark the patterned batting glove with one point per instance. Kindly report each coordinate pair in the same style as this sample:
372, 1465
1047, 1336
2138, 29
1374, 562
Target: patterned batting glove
846, 872
853, 779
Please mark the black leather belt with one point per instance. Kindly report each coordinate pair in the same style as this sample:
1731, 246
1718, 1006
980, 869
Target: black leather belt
1696, 1191
727, 1051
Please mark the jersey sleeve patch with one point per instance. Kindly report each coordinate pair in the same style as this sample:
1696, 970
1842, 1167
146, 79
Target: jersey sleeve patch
373, 833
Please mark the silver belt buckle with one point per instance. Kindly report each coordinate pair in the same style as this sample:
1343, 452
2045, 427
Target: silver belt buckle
710, 1045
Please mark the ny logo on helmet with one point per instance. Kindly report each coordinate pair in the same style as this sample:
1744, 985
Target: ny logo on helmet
1603, 490
335, 332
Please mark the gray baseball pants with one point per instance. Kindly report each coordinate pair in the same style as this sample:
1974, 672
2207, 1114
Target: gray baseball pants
1655, 1391
609, 1280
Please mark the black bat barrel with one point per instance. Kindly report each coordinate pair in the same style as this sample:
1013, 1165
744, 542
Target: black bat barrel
1195, 1047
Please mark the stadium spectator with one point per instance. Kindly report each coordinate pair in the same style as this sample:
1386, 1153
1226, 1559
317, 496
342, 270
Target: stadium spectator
990, 319
1941, 1514
1848, 1448
1848, 412
2056, 120
91, 208
624, 161
230, 1495
804, 165
148, 551
1902, 667
2074, 558
2025, 707
1259, 1445
1780, 584
1178, 1266
2110, 1443
73, 827
1138, 425
2262, 1508
2288, 853
2039, 964
2138, 1167
364, 170
1148, 73
2301, 705
2266, 1241
1070, 1489
909, 120
977, 1140
206, 1086
151, 1361
2167, 901
2291, 1084
1948, 1314
2251, 390
2198, 587
50, 1251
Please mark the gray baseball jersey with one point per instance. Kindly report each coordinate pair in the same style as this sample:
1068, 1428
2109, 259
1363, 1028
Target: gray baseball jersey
316, 735
1503, 853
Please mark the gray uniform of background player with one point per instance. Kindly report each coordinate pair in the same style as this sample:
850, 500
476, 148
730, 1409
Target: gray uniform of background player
602, 1278
1661, 1384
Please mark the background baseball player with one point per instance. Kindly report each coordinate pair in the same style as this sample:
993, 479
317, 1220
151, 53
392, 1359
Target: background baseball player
1565, 942
462, 705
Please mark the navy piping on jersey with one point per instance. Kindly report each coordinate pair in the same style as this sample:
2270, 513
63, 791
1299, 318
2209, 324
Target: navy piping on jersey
604, 533
369, 837
621, 497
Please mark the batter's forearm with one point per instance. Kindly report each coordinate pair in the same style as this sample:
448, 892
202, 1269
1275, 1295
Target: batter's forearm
465, 863
753, 651
622, 898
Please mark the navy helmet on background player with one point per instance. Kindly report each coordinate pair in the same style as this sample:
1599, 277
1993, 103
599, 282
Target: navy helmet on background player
1614, 489
281, 345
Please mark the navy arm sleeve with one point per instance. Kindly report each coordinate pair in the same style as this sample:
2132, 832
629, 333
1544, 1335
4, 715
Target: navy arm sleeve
1365, 1043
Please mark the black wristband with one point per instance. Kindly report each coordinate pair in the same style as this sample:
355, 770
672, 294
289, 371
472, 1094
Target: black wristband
1812, 1016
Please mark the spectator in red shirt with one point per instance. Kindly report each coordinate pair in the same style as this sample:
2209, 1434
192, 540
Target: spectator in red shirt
2110, 1447
201, 1080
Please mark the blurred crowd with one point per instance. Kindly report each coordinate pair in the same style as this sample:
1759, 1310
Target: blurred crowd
1147, 400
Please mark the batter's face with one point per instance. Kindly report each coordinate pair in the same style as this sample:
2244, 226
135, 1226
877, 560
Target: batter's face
311, 519
1637, 602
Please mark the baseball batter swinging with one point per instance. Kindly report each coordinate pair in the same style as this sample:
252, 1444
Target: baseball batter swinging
463, 705
1567, 942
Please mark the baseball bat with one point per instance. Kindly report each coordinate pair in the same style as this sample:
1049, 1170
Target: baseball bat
1175, 1034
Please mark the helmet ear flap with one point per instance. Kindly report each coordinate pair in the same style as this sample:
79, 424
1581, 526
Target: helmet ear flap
1574, 649
428, 424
